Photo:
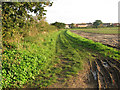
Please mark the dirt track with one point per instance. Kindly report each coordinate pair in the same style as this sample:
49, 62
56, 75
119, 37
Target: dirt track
99, 73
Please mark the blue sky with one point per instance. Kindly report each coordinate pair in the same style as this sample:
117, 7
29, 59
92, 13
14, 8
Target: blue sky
82, 11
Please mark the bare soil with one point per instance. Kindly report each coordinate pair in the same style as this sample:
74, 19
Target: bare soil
106, 39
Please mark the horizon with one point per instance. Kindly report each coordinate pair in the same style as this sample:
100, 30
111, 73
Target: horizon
85, 22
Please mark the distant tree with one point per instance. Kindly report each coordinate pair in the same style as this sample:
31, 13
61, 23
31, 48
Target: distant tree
59, 25
72, 25
97, 23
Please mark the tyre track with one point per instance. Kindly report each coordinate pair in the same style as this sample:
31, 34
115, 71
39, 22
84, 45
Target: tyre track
106, 71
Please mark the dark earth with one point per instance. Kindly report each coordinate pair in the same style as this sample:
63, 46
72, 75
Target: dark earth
106, 39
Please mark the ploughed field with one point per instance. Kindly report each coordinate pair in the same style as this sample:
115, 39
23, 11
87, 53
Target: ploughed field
110, 38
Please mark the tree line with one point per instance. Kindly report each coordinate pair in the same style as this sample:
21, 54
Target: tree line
96, 24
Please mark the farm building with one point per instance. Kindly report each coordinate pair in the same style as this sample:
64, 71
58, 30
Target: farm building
115, 24
107, 24
81, 25
89, 24
67, 25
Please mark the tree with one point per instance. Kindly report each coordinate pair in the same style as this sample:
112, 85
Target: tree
59, 25
15, 14
72, 25
97, 23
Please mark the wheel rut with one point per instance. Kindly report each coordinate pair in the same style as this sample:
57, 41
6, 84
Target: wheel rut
105, 73
102, 72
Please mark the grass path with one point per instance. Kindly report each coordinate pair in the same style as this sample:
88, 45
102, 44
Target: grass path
74, 51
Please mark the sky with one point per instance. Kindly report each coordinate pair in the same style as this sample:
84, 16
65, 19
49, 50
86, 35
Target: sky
82, 11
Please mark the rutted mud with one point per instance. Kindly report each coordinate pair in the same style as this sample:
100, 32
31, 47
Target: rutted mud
108, 75
100, 73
